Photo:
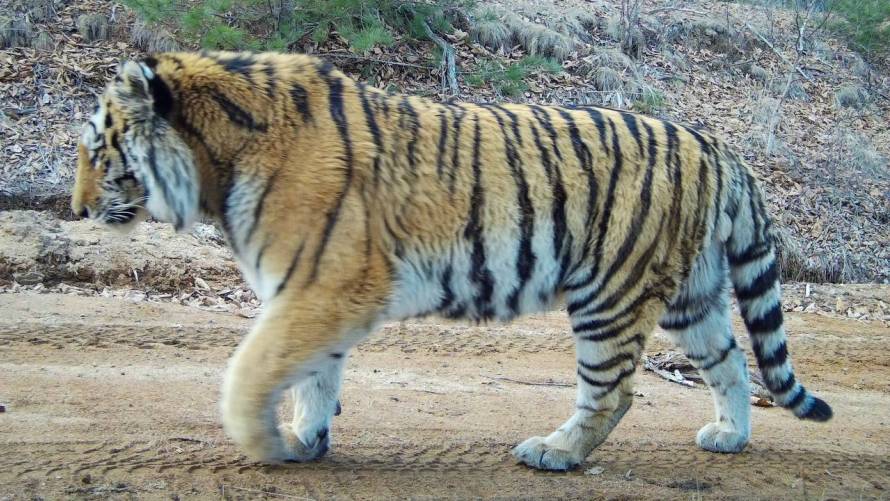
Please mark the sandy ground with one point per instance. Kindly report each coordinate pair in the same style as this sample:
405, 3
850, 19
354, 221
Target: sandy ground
107, 398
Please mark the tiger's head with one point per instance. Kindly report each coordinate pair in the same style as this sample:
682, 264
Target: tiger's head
132, 163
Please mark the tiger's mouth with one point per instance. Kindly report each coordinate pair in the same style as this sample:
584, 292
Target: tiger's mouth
120, 216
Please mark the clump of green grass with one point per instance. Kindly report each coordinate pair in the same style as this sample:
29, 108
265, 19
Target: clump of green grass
92, 27
650, 100
866, 24
509, 80
278, 24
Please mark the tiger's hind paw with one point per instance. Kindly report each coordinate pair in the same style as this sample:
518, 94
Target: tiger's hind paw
535, 453
717, 437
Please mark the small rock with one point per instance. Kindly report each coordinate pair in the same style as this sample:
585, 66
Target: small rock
596, 470
2, 408
840, 306
86, 479
28, 278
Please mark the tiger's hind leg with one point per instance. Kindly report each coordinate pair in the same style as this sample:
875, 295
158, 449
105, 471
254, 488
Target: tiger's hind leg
698, 322
315, 405
608, 347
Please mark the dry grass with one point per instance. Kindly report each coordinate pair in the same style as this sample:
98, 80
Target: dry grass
15, 32
44, 42
851, 96
40, 11
757, 73
630, 39
499, 30
93, 27
152, 39
606, 79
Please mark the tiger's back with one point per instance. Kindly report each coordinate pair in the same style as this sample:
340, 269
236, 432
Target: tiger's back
347, 206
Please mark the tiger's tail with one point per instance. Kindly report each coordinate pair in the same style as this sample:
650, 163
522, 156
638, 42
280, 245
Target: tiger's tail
754, 272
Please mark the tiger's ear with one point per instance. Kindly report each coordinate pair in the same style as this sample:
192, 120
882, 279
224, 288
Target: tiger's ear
141, 91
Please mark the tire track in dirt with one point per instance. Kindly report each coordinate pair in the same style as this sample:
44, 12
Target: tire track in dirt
488, 456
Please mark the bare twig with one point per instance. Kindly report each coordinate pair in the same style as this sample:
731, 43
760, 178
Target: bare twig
532, 383
449, 76
341, 55
675, 9
674, 377
776, 52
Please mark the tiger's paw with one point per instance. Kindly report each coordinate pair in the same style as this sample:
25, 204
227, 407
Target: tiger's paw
310, 448
535, 453
718, 437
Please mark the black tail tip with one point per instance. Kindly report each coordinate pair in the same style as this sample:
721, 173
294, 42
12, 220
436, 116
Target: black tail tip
818, 410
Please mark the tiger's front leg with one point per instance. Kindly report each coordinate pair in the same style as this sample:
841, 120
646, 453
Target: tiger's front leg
608, 347
315, 405
296, 343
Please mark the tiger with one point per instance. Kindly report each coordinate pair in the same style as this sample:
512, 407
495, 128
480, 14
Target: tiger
346, 206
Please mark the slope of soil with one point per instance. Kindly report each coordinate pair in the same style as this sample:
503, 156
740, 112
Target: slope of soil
106, 398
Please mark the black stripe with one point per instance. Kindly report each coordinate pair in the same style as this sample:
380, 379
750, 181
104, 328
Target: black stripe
608, 364
752, 253
798, 398
269, 71
673, 160
781, 387
479, 272
681, 321
301, 101
768, 323
120, 151
585, 163
721, 358
455, 156
153, 165
414, 125
375, 131
258, 210
238, 115
290, 269
543, 118
608, 386
770, 361
337, 356
610, 333
761, 285
632, 278
447, 293
558, 203
642, 212
514, 123
630, 120
335, 96
240, 65
443, 142
525, 259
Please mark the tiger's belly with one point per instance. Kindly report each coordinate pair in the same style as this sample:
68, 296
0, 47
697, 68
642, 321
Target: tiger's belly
477, 280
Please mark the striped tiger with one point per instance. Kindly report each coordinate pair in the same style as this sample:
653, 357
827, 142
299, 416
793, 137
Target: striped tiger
346, 206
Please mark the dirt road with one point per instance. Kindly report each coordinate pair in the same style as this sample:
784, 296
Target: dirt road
111, 399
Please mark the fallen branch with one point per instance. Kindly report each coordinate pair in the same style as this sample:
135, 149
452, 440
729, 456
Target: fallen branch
356, 57
532, 383
776, 52
449, 76
675, 9
674, 377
